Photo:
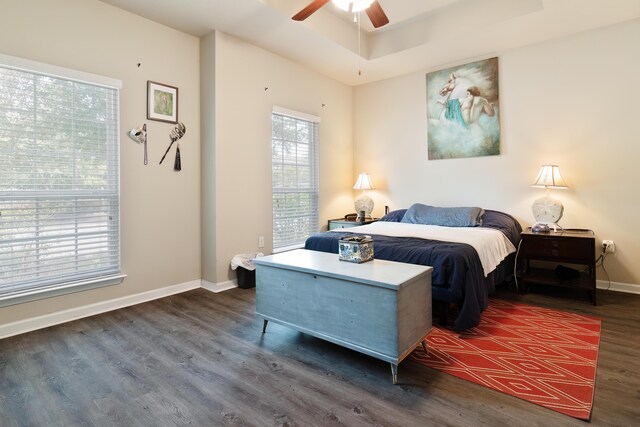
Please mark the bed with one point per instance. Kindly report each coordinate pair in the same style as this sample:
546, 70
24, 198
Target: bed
461, 275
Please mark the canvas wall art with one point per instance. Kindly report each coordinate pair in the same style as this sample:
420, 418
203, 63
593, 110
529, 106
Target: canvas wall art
463, 111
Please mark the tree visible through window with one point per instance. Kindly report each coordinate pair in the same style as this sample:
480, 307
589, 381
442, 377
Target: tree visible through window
59, 183
294, 147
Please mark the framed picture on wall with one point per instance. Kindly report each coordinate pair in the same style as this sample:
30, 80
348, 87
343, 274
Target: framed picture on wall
463, 110
162, 102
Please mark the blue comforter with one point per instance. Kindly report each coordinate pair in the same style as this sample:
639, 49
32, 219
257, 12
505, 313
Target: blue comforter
457, 272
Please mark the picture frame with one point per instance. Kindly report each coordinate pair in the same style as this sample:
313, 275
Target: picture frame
162, 102
463, 111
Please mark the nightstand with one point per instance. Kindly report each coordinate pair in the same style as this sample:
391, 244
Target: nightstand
334, 224
569, 246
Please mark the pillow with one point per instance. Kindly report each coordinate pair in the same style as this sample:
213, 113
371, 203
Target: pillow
394, 216
449, 217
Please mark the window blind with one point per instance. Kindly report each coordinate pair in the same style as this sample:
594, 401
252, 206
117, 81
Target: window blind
294, 161
59, 181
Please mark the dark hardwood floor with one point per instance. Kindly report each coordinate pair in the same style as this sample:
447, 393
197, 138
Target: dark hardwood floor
200, 359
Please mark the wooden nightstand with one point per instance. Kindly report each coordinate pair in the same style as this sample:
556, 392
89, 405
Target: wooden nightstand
568, 247
346, 223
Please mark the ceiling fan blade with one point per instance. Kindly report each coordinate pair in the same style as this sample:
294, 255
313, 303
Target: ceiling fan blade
376, 15
310, 9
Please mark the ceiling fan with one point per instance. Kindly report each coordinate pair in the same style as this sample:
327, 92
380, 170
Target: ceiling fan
372, 7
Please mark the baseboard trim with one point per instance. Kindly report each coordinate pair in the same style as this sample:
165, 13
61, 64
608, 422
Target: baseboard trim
34, 323
219, 287
629, 288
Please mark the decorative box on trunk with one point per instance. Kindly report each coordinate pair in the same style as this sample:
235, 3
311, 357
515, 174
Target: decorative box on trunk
355, 249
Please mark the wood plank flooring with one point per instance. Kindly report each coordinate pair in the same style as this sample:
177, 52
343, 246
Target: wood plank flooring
200, 359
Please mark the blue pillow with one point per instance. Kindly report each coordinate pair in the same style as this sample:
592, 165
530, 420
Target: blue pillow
394, 216
449, 217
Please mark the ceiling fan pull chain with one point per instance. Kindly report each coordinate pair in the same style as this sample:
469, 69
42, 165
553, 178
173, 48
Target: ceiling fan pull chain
359, 49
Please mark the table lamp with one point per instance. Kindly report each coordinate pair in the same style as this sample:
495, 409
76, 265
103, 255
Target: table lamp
547, 210
363, 202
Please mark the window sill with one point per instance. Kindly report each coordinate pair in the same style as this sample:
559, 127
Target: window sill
56, 290
288, 248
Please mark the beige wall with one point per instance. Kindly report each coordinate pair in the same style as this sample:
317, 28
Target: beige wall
571, 102
207, 156
243, 143
160, 209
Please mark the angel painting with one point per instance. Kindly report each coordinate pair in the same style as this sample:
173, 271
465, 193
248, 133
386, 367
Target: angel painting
462, 111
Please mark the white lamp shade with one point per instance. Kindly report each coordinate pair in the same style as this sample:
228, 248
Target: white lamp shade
549, 177
363, 182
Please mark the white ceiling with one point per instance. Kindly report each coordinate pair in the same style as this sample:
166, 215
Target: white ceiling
421, 35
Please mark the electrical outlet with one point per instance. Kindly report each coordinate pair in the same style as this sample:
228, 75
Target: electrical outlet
608, 246
261, 242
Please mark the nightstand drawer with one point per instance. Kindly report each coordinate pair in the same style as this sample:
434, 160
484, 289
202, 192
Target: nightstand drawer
335, 224
558, 247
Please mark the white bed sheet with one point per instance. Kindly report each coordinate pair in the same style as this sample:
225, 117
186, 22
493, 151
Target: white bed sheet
491, 245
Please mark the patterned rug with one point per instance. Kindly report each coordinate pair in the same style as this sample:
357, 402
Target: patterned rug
543, 356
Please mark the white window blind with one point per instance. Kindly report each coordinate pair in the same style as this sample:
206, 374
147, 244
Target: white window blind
294, 162
59, 181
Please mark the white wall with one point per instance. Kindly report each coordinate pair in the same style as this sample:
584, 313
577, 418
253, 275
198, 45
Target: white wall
242, 157
160, 209
571, 102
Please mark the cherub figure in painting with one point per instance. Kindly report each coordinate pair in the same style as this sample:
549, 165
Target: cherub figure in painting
473, 105
462, 111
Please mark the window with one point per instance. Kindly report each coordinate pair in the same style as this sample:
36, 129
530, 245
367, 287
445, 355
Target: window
59, 181
294, 165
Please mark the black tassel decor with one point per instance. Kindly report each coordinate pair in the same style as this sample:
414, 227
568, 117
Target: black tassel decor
177, 165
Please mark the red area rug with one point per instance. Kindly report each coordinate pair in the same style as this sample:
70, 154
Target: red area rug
543, 356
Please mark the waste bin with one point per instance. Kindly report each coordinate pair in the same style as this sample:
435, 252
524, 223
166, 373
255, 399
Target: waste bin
246, 278
245, 269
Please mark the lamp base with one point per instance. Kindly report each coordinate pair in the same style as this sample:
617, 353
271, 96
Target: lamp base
547, 210
363, 204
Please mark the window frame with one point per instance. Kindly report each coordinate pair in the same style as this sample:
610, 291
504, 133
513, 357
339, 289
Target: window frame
314, 187
62, 285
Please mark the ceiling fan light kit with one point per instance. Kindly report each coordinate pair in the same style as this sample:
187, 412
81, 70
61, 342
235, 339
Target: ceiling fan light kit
372, 7
353, 5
